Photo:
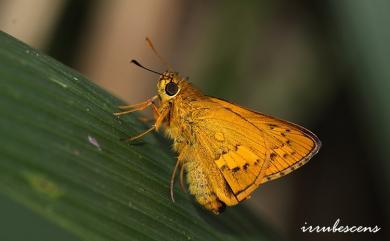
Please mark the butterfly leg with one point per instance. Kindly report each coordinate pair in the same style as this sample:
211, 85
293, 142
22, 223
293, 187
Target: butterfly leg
182, 186
135, 107
159, 115
155, 114
173, 176
140, 135
180, 161
157, 124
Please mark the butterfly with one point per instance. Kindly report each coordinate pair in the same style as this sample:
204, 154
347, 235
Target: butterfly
225, 151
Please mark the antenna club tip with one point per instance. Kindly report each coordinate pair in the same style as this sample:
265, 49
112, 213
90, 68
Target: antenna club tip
133, 61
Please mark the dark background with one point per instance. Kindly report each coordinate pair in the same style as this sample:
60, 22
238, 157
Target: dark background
322, 64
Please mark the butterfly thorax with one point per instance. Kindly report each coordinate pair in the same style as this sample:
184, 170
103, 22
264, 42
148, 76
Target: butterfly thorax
181, 108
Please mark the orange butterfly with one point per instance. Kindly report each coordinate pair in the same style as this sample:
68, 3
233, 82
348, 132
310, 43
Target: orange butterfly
226, 150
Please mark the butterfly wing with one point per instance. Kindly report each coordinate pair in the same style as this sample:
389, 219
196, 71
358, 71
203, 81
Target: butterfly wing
292, 144
249, 148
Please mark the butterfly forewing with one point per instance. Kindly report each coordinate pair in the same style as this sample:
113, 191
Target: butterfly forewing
250, 148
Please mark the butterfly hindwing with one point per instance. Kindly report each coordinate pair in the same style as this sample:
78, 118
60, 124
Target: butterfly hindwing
243, 169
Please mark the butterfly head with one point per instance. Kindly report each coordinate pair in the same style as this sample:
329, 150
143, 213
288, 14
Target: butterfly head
169, 85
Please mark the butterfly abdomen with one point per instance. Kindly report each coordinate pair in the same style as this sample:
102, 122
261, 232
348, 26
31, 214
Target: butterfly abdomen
197, 173
200, 187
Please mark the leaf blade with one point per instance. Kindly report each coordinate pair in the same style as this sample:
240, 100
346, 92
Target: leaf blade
61, 156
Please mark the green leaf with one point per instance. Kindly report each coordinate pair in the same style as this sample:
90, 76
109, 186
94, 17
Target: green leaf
61, 156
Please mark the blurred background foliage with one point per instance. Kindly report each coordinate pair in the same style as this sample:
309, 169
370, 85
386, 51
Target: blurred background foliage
322, 64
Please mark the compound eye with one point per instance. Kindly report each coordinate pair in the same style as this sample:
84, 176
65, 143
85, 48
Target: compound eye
171, 89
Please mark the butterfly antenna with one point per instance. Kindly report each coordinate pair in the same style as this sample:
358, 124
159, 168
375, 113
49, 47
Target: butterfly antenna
150, 44
133, 61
